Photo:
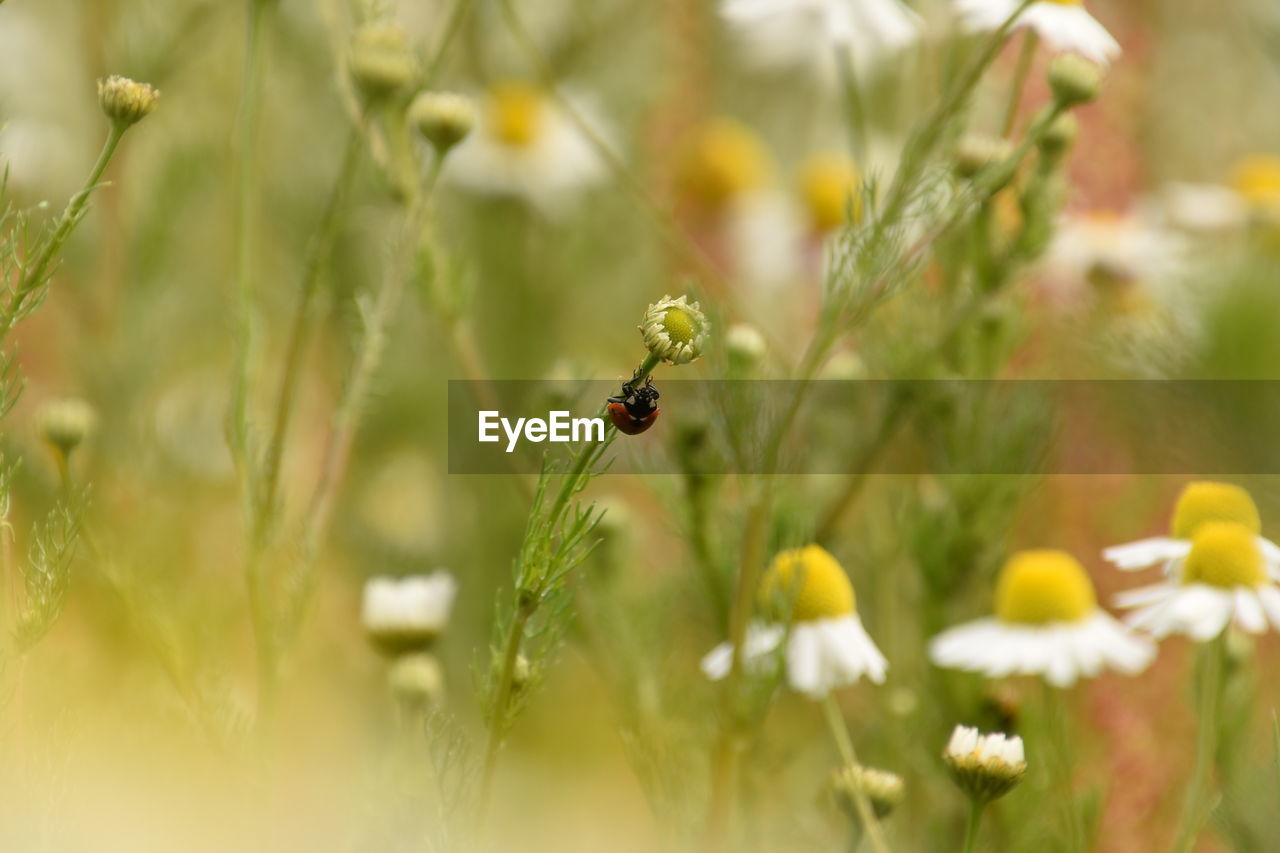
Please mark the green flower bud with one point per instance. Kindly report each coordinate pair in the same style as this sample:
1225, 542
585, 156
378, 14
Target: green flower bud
1059, 137
975, 153
417, 680
381, 60
1074, 79
745, 347
884, 790
675, 330
124, 101
443, 118
66, 423
985, 767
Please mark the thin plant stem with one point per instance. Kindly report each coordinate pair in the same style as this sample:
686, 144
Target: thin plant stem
368, 357
1059, 749
1019, 83
246, 193
457, 17
861, 803
35, 274
498, 723
855, 109
299, 332
976, 808
1199, 795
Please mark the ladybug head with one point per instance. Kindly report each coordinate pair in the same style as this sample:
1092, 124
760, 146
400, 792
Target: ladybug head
640, 402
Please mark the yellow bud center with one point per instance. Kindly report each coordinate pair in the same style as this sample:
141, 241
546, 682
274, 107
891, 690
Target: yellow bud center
516, 114
1224, 554
1037, 587
1204, 502
679, 325
722, 160
829, 185
1257, 179
812, 580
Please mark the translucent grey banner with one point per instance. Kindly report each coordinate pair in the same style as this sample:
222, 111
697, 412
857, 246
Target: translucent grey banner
879, 426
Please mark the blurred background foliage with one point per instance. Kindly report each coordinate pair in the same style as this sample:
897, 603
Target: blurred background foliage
131, 726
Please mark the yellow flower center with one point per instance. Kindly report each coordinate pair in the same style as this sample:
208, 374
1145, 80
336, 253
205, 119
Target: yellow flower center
1203, 502
1066, 2
1036, 587
1224, 554
721, 160
516, 114
679, 325
829, 184
1257, 179
819, 585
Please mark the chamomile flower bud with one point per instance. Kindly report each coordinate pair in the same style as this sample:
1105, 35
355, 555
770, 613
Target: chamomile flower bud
884, 790
1074, 79
443, 118
64, 424
675, 330
125, 101
985, 767
1059, 137
408, 614
977, 152
381, 59
745, 347
417, 680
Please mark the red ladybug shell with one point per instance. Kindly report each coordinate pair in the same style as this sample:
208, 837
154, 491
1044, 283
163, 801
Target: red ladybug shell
627, 424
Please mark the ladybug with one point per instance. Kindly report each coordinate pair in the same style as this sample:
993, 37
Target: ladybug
635, 409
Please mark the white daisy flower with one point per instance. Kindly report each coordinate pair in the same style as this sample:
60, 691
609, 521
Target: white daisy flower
1222, 579
793, 33
525, 146
1047, 623
826, 646
1063, 24
675, 330
985, 767
1199, 503
407, 614
1251, 195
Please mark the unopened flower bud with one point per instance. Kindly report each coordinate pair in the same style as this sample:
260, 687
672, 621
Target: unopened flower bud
1074, 79
443, 118
417, 680
1059, 136
381, 59
66, 423
985, 767
408, 614
125, 101
745, 347
884, 790
675, 330
976, 152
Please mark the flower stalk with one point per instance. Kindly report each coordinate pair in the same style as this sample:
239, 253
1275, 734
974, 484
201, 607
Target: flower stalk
1199, 799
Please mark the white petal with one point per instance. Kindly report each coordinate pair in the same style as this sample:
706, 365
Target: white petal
1249, 615
760, 642
1269, 598
1145, 552
1143, 595
804, 661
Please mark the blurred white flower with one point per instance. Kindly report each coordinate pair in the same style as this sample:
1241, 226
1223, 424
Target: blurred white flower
1129, 260
1222, 580
807, 33
1047, 623
1252, 194
1063, 24
826, 646
524, 145
1198, 504
407, 614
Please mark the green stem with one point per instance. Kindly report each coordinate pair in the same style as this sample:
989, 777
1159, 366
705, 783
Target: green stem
501, 700
854, 108
299, 331
1199, 794
976, 808
250, 99
861, 803
37, 273
368, 357
1019, 83
1058, 739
